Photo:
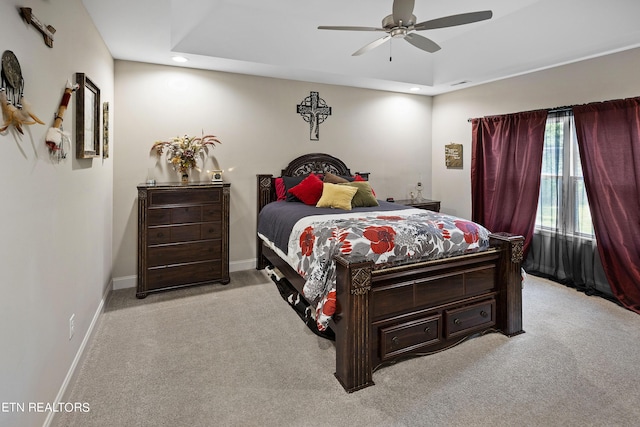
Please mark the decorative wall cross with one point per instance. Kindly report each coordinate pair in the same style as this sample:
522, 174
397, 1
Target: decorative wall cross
314, 110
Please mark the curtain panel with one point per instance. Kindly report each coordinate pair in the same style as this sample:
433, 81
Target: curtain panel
562, 248
506, 160
609, 142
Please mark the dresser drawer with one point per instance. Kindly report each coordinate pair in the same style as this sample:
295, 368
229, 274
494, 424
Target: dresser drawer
211, 213
192, 196
159, 216
409, 336
211, 230
178, 253
186, 214
184, 233
176, 275
177, 215
463, 320
173, 234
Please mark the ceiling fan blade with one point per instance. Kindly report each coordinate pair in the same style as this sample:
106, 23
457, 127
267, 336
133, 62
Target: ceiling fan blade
328, 27
371, 45
403, 11
422, 43
453, 20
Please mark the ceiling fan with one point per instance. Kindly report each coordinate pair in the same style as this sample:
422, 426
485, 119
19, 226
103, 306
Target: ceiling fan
402, 22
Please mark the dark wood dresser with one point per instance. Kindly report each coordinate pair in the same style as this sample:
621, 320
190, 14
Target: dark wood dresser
183, 235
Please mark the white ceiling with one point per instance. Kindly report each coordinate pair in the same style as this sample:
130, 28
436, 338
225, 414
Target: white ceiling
279, 38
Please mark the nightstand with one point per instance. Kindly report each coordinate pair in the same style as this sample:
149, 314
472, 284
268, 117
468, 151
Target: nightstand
430, 205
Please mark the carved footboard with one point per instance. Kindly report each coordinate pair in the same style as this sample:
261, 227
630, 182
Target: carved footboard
384, 316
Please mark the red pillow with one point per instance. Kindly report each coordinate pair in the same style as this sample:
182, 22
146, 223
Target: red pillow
309, 190
281, 192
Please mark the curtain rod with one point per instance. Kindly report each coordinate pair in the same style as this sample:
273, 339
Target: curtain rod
549, 110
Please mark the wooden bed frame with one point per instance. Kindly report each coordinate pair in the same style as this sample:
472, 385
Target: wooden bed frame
384, 315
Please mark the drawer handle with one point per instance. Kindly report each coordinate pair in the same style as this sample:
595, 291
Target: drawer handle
395, 342
427, 330
211, 230
457, 321
484, 313
160, 234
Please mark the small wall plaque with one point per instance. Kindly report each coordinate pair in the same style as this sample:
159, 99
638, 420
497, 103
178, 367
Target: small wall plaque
453, 156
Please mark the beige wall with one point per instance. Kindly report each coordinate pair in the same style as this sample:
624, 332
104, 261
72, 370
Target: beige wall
384, 133
55, 219
610, 77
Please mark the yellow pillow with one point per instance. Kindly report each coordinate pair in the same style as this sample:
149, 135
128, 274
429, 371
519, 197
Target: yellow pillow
336, 196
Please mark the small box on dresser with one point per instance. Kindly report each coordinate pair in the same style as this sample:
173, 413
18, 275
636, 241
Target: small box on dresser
183, 235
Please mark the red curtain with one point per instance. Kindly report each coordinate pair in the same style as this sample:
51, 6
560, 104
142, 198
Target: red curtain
506, 163
609, 143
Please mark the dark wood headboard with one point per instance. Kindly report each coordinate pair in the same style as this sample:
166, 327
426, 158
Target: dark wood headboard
315, 163
318, 163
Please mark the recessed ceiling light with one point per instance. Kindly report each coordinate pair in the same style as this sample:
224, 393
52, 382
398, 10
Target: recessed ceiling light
415, 89
178, 58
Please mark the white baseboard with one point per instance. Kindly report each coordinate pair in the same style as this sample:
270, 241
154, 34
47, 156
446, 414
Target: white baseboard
132, 281
243, 265
125, 282
79, 356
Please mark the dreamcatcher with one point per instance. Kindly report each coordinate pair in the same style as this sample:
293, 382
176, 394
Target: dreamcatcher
16, 110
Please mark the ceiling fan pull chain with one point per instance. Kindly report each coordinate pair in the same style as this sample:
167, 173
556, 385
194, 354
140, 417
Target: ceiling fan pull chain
390, 53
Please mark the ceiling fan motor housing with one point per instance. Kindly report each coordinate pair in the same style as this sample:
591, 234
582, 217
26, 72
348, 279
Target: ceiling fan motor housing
388, 22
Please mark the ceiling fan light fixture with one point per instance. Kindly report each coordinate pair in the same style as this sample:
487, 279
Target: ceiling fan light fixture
399, 32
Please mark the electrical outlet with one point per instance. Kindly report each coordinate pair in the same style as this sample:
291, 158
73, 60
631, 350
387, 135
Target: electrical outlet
72, 325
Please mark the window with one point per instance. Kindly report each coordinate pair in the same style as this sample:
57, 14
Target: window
562, 206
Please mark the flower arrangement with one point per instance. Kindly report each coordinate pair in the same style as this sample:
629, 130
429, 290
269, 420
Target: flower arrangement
183, 151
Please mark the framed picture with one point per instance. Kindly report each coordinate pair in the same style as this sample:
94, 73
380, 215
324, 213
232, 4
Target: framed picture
216, 176
453, 156
105, 130
87, 118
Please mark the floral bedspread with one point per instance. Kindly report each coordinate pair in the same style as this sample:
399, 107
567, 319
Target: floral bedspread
387, 238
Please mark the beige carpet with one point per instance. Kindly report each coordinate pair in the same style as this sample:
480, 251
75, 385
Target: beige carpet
237, 355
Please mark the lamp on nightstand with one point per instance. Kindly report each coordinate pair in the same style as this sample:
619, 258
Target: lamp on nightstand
419, 197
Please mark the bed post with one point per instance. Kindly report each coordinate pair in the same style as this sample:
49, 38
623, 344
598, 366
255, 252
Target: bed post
509, 298
352, 323
265, 195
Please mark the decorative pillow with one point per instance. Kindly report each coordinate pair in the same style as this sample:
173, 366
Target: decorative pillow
336, 196
289, 183
364, 196
335, 179
309, 190
358, 178
281, 192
